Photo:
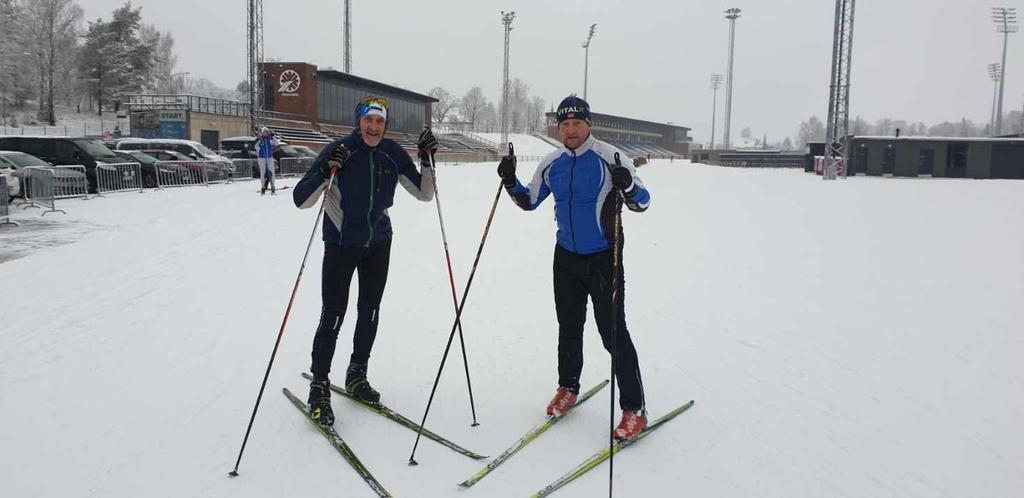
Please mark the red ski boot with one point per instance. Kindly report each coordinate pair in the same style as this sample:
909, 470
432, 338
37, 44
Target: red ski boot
631, 425
562, 402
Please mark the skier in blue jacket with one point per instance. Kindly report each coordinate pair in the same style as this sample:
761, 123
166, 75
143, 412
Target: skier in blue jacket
265, 144
584, 178
357, 239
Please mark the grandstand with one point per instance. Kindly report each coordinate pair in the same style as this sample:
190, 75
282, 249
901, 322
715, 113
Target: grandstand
635, 137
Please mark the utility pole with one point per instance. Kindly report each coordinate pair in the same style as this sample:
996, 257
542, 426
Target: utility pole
1006, 20
506, 19
731, 14
348, 37
716, 83
994, 73
586, 58
836, 148
255, 58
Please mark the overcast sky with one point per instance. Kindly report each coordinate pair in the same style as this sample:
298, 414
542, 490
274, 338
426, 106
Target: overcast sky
919, 60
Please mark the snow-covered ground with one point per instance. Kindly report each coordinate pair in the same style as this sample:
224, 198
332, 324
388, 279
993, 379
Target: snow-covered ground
851, 339
71, 122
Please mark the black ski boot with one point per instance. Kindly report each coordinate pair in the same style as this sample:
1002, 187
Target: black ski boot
357, 385
320, 402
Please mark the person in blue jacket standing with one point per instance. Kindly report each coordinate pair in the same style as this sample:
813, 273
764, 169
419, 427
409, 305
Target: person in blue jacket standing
585, 176
265, 157
357, 239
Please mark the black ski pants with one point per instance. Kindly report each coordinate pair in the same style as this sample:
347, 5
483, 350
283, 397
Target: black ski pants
577, 276
339, 264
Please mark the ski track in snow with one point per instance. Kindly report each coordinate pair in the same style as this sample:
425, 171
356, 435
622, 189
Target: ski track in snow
850, 338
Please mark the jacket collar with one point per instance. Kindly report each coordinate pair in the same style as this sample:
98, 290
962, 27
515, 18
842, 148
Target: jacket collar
583, 148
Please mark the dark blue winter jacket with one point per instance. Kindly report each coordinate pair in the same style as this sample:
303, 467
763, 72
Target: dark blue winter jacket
580, 181
364, 189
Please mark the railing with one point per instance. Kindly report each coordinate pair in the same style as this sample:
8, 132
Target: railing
120, 177
291, 166
70, 181
83, 130
246, 169
180, 174
5, 213
38, 185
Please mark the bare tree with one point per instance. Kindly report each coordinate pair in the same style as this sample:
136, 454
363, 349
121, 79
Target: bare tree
164, 60
487, 118
812, 130
535, 121
52, 26
471, 104
445, 103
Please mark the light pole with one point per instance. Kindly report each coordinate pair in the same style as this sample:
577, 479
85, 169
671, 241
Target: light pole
348, 37
182, 84
1006, 21
3, 80
994, 72
586, 58
731, 14
716, 83
506, 19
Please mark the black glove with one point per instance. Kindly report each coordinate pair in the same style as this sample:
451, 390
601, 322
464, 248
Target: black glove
622, 179
336, 160
639, 161
427, 143
507, 171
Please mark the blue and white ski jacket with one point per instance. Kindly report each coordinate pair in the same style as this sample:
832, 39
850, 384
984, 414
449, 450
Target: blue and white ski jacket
580, 181
358, 201
265, 146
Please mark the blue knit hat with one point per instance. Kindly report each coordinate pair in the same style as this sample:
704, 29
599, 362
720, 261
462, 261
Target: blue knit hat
573, 107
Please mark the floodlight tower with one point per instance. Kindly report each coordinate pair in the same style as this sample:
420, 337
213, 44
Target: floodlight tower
255, 58
586, 58
994, 72
731, 15
506, 19
836, 147
716, 83
1006, 23
348, 36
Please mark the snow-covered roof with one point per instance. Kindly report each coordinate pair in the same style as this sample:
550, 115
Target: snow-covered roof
155, 140
938, 139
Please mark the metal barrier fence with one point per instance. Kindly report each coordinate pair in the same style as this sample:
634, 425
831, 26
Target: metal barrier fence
218, 172
180, 174
5, 214
290, 166
38, 184
246, 169
118, 177
69, 182
188, 173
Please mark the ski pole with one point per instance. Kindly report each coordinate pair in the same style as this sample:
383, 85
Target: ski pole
280, 333
616, 254
458, 314
451, 280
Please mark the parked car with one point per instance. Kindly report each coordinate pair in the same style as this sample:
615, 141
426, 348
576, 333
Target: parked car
10, 163
148, 165
218, 171
305, 150
64, 151
194, 150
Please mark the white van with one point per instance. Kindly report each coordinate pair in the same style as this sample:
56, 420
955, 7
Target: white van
190, 148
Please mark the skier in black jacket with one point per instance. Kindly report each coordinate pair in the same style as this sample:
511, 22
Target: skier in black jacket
357, 238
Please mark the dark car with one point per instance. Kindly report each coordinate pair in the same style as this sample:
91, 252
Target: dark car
63, 151
214, 171
148, 166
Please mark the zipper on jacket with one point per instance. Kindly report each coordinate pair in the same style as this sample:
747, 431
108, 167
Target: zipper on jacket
572, 174
369, 210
